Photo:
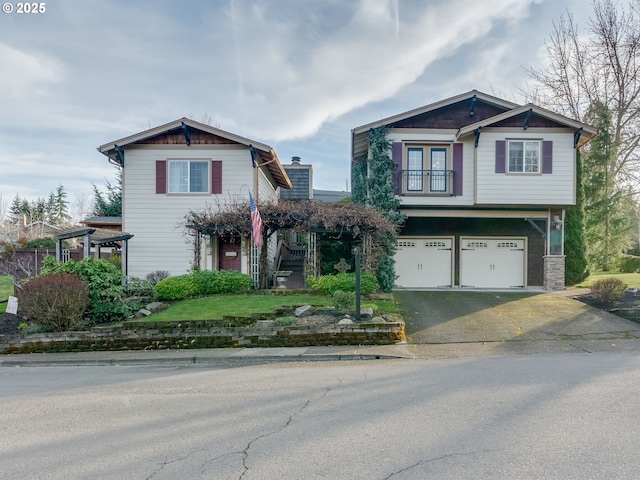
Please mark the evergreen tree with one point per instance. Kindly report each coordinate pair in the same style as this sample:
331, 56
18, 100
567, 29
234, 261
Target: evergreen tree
576, 268
62, 216
15, 210
379, 194
50, 215
608, 228
109, 204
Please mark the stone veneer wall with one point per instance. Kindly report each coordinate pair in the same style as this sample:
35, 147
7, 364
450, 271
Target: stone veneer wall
554, 272
204, 334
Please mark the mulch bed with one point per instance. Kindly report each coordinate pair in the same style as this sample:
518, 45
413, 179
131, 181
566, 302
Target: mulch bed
630, 300
9, 323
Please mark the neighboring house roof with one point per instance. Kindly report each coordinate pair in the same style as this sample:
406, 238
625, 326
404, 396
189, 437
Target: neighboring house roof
113, 223
99, 236
266, 155
330, 196
501, 110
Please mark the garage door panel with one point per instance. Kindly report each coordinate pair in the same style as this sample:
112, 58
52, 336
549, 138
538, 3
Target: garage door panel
492, 263
424, 262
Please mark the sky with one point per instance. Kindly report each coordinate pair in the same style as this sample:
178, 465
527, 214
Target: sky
293, 74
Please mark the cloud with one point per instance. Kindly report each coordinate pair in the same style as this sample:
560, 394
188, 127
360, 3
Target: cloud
27, 75
380, 49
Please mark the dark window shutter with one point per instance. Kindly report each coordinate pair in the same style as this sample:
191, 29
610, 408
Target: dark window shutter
547, 156
396, 156
161, 176
501, 147
216, 176
457, 169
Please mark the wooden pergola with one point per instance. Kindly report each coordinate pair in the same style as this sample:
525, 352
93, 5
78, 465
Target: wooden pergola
97, 238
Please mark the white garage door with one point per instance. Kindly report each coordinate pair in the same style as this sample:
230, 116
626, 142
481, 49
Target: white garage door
424, 262
492, 262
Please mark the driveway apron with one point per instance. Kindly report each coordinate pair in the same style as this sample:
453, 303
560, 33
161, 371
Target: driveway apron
458, 316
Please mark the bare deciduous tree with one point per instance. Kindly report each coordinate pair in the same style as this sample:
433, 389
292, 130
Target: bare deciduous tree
600, 67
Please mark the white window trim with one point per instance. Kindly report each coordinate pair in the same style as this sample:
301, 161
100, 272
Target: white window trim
524, 141
189, 161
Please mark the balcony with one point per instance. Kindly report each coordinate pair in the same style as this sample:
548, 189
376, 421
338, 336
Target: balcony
434, 183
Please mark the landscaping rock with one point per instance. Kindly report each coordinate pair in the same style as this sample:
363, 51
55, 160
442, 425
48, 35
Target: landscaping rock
143, 312
304, 311
154, 306
366, 312
345, 321
378, 320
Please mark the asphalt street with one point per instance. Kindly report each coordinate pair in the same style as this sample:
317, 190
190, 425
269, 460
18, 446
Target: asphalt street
525, 416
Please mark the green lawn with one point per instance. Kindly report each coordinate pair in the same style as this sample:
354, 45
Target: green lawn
631, 279
217, 306
6, 289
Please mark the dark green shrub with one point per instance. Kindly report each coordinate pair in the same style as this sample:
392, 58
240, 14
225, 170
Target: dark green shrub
221, 281
56, 302
608, 290
175, 288
202, 282
346, 282
105, 286
343, 301
627, 264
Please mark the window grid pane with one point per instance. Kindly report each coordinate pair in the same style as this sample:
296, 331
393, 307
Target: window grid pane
532, 157
438, 167
199, 175
516, 154
178, 176
414, 174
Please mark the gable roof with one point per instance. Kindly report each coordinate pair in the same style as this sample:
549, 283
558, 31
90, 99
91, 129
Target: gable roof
359, 135
267, 155
587, 132
434, 106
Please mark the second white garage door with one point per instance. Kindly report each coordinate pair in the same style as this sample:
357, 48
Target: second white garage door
424, 262
492, 262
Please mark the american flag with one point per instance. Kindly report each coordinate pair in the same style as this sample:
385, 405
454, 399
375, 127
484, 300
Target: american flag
256, 223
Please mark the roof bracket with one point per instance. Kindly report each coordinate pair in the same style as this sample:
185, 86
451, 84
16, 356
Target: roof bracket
254, 156
527, 118
187, 133
477, 132
119, 154
473, 104
576, 137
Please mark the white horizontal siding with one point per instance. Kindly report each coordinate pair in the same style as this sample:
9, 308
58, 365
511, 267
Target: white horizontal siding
157, 221
556, 188
467, 197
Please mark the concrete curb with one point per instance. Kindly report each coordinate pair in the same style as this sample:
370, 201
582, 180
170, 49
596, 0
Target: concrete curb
253, 356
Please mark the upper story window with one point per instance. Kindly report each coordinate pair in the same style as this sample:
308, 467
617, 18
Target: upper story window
524, 156
188, 176
430, 177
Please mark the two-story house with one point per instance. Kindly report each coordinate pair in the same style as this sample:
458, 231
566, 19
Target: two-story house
184, 166
484, 184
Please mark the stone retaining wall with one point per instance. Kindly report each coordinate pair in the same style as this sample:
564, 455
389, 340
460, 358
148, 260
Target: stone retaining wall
227, 333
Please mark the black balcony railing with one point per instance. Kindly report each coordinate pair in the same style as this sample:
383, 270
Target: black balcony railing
427, 182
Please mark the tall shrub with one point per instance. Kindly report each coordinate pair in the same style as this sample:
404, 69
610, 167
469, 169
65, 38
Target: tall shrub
105, 282
575, 250
378, 193
56, 302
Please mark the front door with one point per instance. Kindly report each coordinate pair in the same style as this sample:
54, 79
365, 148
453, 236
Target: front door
230, 256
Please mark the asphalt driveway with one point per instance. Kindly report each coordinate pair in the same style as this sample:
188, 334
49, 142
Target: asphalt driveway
450, 316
